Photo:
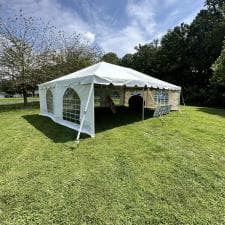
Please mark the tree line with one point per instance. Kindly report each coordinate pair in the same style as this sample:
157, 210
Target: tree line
187, 55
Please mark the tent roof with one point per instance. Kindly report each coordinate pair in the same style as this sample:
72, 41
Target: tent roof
106, 73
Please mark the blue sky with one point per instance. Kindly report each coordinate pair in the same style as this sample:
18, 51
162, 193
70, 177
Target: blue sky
115, 25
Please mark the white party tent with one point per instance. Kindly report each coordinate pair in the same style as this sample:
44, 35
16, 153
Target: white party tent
70, 100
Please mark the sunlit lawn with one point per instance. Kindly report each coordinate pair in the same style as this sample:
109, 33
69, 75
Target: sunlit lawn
160, 171
16, 100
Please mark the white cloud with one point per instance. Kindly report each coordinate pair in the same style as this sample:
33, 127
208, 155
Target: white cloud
141, 26
50, 11
170, 2
90, 36
124, 41
141, 13
145, 20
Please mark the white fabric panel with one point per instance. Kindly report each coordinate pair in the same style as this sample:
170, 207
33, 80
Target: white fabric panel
43, 105
58, 101
58, 93
174, 99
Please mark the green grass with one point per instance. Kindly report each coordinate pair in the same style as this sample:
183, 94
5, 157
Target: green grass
160, 171
16, 100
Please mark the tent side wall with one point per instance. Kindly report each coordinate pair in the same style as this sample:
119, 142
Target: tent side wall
58, 91
148, 96
42, 97
149, 93
174, 100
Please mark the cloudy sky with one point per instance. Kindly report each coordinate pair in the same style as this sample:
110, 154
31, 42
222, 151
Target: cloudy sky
115, 25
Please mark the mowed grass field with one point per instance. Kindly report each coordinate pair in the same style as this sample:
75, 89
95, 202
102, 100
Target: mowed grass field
4, 101
168, 170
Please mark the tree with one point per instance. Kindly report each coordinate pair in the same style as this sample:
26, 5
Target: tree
76, 53
32, 52
146, 59
6, 86
215, 5
173, 55
111, 57
205, 42
22, 40
73, 53
188, 51
219, 69
127, 60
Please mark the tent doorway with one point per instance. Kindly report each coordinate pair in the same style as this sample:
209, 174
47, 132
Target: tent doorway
136, 103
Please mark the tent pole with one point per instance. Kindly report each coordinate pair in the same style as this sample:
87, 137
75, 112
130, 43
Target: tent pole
143, 105
85, 111
147, 98
124, 95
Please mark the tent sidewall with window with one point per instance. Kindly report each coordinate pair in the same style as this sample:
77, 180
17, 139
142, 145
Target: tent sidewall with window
58, 90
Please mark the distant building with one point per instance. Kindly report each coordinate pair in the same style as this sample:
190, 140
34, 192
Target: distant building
17, 95
2, 94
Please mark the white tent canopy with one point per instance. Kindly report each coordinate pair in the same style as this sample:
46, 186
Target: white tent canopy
106, 73
77, 112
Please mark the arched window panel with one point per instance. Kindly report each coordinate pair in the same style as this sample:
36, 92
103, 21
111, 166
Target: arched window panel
49, 101
161, 97
71, 106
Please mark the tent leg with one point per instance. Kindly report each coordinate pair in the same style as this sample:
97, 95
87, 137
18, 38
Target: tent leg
124, 95
143, 105
85, 111
181, 93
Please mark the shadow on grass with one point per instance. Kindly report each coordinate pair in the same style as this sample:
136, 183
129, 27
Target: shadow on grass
52, 130
213, 111
104, 120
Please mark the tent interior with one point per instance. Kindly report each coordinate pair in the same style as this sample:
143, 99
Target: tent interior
138, 103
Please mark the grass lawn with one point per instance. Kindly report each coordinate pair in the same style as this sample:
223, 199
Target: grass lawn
17, 100
160, 171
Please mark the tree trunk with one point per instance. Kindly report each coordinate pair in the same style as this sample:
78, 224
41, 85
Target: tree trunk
24, 97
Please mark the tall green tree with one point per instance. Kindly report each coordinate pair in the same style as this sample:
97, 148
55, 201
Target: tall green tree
173, 55
215, 5
111, 57
205, 43
127, 60
219, 69
146, 59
